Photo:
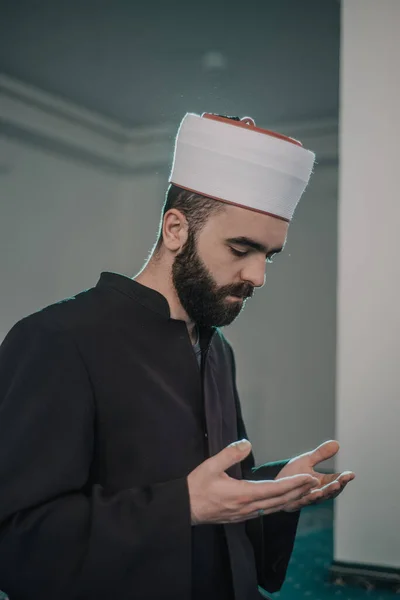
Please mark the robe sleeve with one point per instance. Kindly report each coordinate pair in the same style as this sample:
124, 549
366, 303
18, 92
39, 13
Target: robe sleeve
59, 539
271, 536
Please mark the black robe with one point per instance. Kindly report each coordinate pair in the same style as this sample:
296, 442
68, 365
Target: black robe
103, 414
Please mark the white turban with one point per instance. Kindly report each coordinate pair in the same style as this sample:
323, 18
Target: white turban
241, 164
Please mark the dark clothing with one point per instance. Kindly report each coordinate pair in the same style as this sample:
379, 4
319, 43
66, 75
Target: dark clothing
103, 414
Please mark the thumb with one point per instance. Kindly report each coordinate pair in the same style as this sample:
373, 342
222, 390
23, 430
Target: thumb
231, 455
324, 451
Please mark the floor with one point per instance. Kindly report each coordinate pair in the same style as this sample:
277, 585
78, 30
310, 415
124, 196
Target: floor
307, 576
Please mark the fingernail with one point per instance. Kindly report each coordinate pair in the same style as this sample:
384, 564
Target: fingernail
241, 444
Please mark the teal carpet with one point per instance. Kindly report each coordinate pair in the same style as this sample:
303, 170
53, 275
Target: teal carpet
307, 576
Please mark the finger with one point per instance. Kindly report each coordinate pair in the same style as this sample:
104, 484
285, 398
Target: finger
342, 479
346, 476
342, 486
276, 503
328, 492
314, 497
277, 488
327, 489
329, 478
324, 451
335, 494
299, 504
328, 496
279, 504
321, 494
306, 501
229, 456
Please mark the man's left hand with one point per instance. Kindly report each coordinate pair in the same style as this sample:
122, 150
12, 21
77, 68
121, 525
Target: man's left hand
330, 485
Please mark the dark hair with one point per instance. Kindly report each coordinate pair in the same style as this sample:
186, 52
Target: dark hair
197, 209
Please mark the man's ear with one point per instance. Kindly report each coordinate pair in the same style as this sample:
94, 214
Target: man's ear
175, 229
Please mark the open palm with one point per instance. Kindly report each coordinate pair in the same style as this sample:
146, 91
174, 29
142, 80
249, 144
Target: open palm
330, 485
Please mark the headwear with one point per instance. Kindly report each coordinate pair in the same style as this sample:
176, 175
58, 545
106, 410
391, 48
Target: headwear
236, 162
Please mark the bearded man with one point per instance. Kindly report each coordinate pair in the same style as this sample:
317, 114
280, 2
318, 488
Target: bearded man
122, 474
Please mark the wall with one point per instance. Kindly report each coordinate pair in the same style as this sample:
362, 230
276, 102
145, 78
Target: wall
72, 186
367, 528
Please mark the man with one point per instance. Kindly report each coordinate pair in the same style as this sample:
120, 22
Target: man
120, 468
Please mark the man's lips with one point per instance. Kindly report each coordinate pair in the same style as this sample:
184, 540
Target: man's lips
234, 297
241, 296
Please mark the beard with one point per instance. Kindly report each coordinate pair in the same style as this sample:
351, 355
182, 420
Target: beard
205, 303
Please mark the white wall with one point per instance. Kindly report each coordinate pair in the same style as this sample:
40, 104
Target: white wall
80, 194
62, 222
72, 188
367, 528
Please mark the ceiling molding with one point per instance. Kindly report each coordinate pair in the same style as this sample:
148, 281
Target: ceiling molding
36, 117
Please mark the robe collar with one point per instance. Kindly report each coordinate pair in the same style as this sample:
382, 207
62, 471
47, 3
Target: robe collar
146, 296
150, 299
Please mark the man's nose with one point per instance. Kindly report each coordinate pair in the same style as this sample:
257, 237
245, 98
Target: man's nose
254, 273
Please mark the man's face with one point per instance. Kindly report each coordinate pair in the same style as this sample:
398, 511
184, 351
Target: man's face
215, 274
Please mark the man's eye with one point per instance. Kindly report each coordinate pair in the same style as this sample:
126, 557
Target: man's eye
238, 252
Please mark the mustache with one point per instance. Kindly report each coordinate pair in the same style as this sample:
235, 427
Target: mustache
243, 291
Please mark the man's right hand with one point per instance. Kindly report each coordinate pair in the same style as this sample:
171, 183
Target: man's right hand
217, 498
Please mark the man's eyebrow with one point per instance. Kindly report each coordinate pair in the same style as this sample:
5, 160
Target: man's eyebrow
245, 241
